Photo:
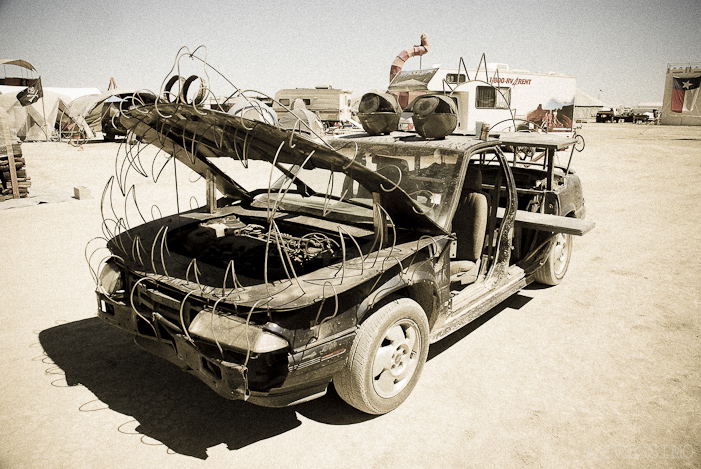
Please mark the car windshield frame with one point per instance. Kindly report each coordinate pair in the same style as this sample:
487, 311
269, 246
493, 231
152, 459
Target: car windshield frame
430, 179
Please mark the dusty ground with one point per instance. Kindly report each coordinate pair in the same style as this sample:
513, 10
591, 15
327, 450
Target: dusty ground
601, 371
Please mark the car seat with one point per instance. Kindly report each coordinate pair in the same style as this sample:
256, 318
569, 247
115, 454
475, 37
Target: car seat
470, 227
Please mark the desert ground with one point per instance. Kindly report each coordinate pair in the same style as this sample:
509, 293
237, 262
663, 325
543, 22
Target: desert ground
603, 370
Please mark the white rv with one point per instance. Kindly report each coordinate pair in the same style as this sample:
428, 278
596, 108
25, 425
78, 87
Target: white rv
329, 104
496, 96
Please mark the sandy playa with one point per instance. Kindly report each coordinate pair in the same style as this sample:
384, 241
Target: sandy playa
603, 370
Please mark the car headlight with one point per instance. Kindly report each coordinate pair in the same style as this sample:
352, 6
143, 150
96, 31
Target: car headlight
235, 333
111, 278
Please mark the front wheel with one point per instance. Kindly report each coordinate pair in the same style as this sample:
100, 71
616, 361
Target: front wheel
555, 267
386, 359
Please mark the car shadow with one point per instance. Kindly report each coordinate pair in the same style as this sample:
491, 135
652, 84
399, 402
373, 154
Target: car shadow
170, 406
516, 301
537, 286
176, 408
332, 410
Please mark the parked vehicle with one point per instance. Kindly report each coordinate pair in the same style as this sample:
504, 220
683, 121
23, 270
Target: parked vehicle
113, 107
606, 115
636, 117
336, 261
332, 106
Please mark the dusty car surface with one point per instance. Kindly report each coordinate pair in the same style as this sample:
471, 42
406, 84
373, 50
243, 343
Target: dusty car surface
336, 261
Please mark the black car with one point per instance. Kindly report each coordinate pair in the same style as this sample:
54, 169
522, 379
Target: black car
606, 115
113, 108
337, 260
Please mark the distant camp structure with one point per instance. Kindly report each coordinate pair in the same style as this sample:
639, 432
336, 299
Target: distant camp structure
681, 104
331, 105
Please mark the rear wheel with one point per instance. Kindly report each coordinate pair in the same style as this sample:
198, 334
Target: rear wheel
386, 359
555, 267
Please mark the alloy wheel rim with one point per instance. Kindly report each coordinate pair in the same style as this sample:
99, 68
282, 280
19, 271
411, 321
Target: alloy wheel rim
396, 358
560, 254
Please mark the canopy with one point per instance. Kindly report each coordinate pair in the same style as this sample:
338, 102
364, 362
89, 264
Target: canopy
583, 99
19, 63
586, 106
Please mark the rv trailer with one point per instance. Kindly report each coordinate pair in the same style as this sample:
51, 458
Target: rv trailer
329, 104
493, 95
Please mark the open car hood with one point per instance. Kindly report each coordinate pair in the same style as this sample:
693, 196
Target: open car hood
193, 135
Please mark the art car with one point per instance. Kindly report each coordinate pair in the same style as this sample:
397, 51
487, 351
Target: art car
316, 261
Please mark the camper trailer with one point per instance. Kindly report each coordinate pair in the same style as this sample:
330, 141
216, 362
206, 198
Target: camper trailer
495, 96
329, 104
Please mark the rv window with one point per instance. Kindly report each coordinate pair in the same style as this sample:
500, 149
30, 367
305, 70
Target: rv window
307, 101
285, 102
490, 97
456, 78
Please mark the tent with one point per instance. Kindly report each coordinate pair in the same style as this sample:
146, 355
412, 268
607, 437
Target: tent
586, 107
32, 116
22, 77
87, 110
35, 121
301, 119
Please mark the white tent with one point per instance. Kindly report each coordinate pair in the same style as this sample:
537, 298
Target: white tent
34, 118
586, 107
88, 110
35, 121
81, 105
74, 93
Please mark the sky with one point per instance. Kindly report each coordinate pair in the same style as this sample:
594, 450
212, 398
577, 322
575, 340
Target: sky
617, 49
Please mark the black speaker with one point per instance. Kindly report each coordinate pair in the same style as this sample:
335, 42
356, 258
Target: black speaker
379, 113
434, 116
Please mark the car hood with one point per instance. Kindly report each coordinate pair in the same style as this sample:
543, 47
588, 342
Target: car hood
192, 135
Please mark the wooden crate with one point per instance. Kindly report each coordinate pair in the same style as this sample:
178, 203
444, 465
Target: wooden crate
14, 182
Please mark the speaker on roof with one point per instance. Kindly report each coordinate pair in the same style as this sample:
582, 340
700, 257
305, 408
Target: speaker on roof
379, 113
434, 116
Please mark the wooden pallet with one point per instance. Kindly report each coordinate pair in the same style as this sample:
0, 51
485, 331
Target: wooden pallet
12, 184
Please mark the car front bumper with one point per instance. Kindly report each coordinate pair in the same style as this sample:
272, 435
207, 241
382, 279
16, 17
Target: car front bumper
296, 376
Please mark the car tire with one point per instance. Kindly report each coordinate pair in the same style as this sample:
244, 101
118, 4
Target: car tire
386, 359
555, 267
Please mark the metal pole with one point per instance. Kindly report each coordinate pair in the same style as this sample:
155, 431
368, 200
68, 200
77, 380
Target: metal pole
43, 110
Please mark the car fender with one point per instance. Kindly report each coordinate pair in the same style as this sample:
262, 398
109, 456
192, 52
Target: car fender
419, 277
569, 210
